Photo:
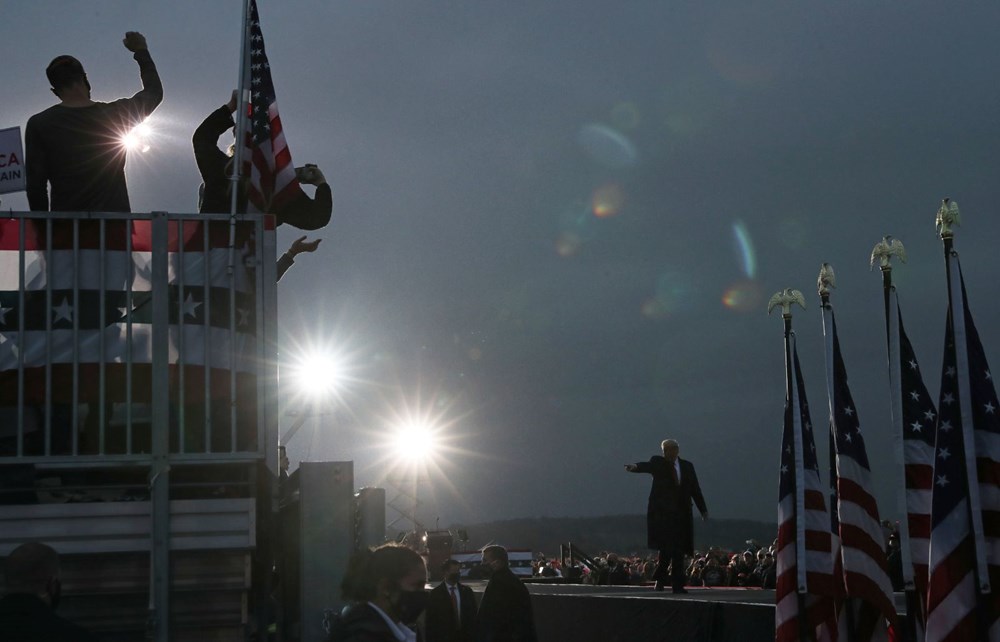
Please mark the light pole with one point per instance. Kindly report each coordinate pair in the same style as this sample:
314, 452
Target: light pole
414, 442
315, 378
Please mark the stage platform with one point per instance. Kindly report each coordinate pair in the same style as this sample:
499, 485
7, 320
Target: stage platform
584, 613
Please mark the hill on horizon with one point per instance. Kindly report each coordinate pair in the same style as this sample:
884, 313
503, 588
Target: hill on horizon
624, 534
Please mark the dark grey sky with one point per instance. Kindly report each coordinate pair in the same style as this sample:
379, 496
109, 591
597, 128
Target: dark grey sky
539, 207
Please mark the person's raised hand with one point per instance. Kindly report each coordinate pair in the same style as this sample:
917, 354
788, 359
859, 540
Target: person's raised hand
231, 105
630, 467
134, 41
301, 245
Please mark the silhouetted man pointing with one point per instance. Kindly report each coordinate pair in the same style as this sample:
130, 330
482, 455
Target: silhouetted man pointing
669, 527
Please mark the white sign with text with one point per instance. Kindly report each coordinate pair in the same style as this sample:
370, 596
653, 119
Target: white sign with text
11, 161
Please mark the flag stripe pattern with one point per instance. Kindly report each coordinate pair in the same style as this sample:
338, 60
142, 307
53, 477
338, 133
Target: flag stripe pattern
919, 418
956, 608
819, 612
268, 160
91, 307
865, 570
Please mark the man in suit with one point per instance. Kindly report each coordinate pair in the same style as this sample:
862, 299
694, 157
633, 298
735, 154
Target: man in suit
669, 526
451, 608
505, 613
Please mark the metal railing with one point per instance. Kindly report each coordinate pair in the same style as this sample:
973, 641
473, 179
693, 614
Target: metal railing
118, 330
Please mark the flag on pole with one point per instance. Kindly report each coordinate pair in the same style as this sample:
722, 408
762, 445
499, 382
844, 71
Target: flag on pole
918, 420
267, 160
868, 590
965, 517
804, 591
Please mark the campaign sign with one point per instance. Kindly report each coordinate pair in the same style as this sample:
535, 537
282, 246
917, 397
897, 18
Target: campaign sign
11, 161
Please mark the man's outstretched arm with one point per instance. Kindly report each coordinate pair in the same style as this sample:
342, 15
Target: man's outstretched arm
150, 96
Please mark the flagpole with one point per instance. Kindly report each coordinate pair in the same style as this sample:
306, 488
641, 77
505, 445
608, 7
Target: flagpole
883, 253
824, 283
896, 417
241, 113
785, 300
946, 217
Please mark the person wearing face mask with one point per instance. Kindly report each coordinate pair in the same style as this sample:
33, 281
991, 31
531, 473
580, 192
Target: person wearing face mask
385, 591
451, 608
33, 588
505, 613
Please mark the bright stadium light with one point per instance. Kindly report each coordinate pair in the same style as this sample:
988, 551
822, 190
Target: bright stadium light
415, 441
318, 375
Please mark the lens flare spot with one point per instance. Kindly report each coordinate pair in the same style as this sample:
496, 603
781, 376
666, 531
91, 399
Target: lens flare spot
625, 116
745, 296
607, 146
673, 295
568, 244
744, 249
653, 308
137, 139
608, 200
792, 233
738, 52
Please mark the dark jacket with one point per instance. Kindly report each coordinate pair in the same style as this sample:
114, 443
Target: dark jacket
26, 618
77, 149
668, 513
359, 623
300, 211
439, 618
505, 613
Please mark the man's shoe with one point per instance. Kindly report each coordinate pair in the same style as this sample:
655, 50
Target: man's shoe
658, 586
680, 591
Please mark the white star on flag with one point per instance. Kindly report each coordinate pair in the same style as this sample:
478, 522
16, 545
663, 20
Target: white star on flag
191, 306
63, 311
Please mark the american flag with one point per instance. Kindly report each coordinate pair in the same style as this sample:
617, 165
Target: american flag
957, 608
918, 420
268, 161
805, 556
862, 550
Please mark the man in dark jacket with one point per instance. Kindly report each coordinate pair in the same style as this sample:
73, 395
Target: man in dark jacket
505, 613
451, 608
27, 610
216, 171
669, 527
77, 146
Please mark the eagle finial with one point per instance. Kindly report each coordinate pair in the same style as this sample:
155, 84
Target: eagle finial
947, 216
885, 249
785, 299
826, 279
